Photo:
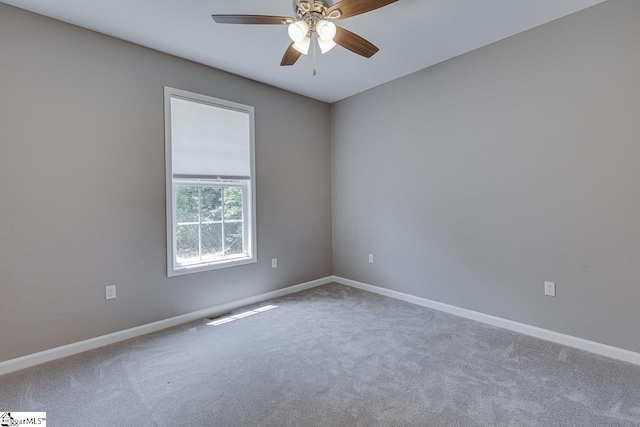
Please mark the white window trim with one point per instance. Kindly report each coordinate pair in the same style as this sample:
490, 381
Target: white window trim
250, 199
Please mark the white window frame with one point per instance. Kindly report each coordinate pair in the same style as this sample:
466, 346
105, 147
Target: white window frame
249, 189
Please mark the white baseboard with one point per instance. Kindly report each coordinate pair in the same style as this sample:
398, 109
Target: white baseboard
534, 331
78, 347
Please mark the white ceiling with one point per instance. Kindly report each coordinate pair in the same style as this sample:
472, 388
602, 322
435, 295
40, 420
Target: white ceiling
411, 35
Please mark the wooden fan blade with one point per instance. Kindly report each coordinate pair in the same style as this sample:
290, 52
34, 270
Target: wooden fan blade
290, 56
349, 8
252, 19
354, 43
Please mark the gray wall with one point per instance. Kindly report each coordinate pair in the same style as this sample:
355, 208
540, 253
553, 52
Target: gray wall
83, 190
474, 181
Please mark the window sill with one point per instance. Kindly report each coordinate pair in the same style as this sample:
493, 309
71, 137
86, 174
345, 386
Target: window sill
215, 265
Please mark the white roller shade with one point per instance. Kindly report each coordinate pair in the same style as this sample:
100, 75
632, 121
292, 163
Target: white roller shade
209, 141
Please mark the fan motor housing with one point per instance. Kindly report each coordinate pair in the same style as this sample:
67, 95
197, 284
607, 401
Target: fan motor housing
319, 5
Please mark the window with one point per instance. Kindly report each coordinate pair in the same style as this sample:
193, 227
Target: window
210, 183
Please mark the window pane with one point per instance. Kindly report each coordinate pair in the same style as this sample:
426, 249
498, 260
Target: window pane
233, 203
187, 243
212, 240
186, 204
211, 204
233, 238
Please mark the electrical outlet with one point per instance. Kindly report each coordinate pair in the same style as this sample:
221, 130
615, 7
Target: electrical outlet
550, 289
370, 258
274, 262
111, 291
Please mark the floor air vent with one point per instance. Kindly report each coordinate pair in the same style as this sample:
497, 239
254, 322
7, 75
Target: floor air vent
230, 317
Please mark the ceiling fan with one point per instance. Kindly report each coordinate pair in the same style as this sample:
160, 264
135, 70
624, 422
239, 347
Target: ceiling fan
314, 21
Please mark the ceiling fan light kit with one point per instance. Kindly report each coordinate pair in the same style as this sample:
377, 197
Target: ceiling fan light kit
313, 20
300, 33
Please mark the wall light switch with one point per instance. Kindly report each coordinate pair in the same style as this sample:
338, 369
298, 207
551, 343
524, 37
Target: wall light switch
550, 289
274, 262
370, 258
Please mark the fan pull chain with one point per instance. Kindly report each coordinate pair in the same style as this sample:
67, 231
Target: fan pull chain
314, 35
314, 42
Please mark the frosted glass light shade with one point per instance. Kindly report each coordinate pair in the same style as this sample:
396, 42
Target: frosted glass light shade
326, 46
303, 46
298, 31
326, 30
